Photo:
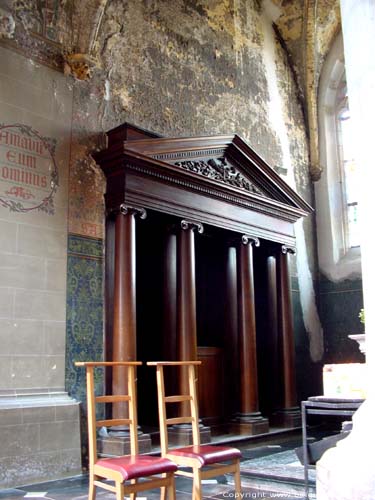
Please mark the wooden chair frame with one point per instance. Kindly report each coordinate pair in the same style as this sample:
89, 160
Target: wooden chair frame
198, 472
98, 473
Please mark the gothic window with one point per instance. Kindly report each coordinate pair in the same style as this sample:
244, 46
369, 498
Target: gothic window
348, 167
336, 192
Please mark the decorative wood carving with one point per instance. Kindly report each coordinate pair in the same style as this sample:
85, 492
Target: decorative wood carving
220, 170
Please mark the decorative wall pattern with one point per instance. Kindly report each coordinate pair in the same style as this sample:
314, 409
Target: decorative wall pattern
84, 340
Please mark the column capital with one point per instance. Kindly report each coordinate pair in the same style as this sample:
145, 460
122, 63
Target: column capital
285, 250
250, 240
127, 209
191, 224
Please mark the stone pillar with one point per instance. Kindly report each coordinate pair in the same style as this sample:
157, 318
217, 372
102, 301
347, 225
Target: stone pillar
288, 414
249, 420
124, 323
346, 472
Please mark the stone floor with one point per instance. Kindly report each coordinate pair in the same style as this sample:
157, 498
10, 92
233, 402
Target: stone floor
267, 472
76, 489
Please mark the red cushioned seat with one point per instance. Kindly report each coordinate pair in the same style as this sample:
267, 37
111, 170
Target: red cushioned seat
219, 460
207, 454
132, 467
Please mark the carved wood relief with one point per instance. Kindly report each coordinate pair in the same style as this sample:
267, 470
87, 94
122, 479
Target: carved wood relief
220, 170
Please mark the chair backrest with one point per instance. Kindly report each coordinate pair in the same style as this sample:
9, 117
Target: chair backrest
190, 410
113, 399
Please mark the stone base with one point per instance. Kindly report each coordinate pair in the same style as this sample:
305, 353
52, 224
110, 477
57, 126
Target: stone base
40, 438
287, 417
250, 424
110, 446
181, 435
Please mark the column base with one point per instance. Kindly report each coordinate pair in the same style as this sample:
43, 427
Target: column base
287, 417
113, 445
182, 435
250, 423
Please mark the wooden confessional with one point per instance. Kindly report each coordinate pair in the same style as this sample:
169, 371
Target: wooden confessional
198, 234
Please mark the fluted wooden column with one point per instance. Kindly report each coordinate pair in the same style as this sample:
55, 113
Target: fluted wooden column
186, 298
249, 416
289, 414
124, 310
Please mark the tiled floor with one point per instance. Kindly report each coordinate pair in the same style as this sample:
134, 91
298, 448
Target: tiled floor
267, 472
76, 489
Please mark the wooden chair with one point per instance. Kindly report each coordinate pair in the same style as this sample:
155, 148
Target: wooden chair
206, 461
126, 470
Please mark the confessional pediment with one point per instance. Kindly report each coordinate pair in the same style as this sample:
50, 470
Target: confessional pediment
219, 180
223, 165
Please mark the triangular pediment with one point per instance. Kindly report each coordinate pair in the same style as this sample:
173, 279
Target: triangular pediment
225, 164
221, 170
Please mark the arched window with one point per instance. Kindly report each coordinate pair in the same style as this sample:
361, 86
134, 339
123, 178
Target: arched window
336, 191
347, 166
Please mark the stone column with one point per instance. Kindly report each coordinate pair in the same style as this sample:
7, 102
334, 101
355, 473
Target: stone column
124, 322
289, 413
249, 420
346, 472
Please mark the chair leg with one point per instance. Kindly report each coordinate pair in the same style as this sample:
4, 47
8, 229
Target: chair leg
171, 488
237, 480
163, 490
120, 492
92, 488
133, 496
197, 485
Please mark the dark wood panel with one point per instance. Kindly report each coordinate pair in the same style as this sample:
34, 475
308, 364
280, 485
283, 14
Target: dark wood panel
183, 203
210, 383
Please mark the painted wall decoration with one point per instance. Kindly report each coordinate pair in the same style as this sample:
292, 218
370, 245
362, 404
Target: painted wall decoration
28, 170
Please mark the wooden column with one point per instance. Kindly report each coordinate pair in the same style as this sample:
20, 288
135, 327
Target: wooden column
124, 339
186, 298
249, 418
169, 339
170, 295
289, 413
186, 323
231, 333
124, 299
274, 386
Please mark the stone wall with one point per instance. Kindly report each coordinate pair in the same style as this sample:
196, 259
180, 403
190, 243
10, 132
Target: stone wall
39, 423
